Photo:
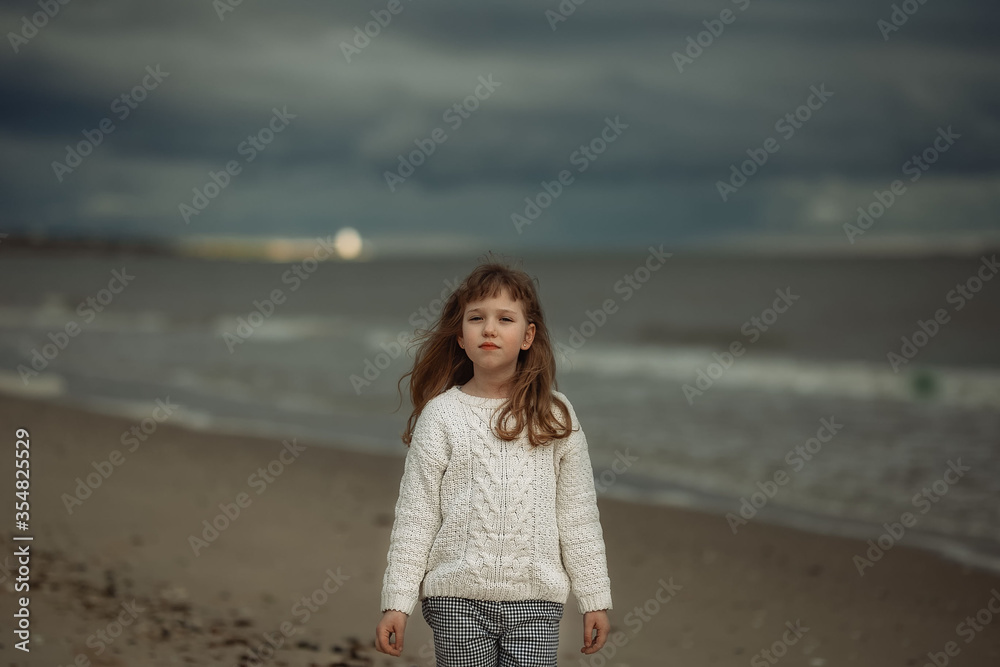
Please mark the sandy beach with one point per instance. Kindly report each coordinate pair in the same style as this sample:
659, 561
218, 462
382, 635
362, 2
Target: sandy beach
121, 578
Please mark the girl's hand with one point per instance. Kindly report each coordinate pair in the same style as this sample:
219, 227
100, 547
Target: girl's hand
595, 620
392, 621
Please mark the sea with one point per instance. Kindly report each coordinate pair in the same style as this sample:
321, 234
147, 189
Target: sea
832, 394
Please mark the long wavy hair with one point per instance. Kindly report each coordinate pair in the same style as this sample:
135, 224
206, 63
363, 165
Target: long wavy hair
440, 363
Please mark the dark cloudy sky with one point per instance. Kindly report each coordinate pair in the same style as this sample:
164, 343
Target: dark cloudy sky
656, 182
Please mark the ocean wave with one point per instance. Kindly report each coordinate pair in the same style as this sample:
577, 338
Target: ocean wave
954, 386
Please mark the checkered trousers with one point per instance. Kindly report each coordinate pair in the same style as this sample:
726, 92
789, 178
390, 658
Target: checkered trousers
487, 633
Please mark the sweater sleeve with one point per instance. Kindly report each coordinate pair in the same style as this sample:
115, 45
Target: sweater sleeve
581, 539
418, 515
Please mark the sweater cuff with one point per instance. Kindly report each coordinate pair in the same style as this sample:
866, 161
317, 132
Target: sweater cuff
399, 602
594, 602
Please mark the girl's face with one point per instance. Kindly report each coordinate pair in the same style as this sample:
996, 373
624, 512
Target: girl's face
494, 331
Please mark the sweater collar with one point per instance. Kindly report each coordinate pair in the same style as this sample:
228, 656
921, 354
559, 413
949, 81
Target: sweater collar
476, 401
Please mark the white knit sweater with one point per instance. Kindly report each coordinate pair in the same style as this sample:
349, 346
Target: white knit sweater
484, 519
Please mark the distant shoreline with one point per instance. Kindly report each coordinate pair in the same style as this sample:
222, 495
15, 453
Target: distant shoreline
223, 248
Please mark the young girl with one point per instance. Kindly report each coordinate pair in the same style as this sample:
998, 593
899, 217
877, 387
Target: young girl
497, 515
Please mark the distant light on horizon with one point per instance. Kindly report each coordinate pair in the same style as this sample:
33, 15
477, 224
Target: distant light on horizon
348, 243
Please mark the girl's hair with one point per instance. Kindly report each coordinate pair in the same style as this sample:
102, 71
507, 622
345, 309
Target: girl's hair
440, 363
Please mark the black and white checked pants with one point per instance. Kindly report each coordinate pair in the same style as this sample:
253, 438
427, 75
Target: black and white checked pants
486, 633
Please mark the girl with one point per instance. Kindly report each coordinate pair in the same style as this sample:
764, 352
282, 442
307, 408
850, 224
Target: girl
497, 517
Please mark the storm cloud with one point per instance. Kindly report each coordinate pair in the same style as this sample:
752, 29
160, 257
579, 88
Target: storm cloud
700, 88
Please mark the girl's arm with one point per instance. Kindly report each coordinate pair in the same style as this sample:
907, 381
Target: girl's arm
418, 514
581, 538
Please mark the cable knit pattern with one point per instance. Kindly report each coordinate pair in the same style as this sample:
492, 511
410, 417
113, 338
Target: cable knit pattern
485, 519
